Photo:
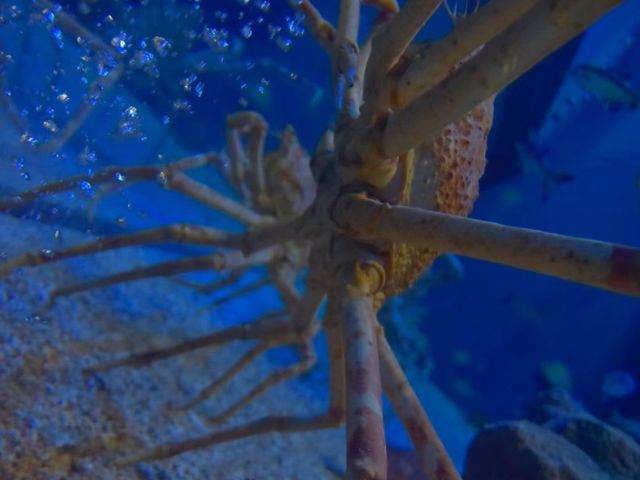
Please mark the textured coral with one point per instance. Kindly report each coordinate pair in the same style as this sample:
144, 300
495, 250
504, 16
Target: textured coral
444, 176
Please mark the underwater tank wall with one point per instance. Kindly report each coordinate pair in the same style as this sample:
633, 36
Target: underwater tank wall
151, 82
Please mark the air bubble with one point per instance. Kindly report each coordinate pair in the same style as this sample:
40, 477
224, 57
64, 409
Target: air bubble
121, 42
162, 46
216, 38
50, 125
246, 31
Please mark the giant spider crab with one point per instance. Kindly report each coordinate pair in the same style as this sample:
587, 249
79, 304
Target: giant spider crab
393, 184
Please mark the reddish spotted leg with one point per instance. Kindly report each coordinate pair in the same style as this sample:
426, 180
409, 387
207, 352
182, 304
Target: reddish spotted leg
434, 459
366, 449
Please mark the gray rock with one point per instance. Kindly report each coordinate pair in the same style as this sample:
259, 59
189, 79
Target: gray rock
613, 450
522, 450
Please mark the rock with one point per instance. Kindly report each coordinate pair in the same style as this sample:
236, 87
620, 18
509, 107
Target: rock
613, 450
525, 451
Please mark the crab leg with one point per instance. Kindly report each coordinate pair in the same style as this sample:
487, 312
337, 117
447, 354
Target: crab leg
307, 362
345, 58
333, 417
299, 329
434, 459
98, 87
178, 233
242, 291
96, 90
302, 322
321, 30
216, 385
546, 27
392, 40
257, 131
216, 262
108, 175
231, 278
239, 163
7, 104
599, 264
266, 327
248, 242
366, 449
437, 61
182, 183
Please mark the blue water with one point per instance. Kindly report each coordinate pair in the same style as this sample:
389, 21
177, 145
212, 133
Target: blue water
490, 332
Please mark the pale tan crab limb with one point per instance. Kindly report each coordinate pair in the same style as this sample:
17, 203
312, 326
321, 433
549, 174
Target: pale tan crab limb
225, 378
390, 41
363, 59
386, 6
590, 262
434, 459
362, 280
115, 175
439, 60
97, 88
180, 182
267, 327
322, 31
345, 58
334, 416
8, 105
176, 233
255, 126
262, 282
298, 228
299, 328
545, 28
307, 361
217, 262
239, 163
231, 278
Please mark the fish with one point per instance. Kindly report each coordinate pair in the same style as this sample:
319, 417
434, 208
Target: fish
533, 161
618, 384
606, 88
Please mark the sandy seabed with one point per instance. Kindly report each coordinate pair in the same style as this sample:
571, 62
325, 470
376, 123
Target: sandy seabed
57, 423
